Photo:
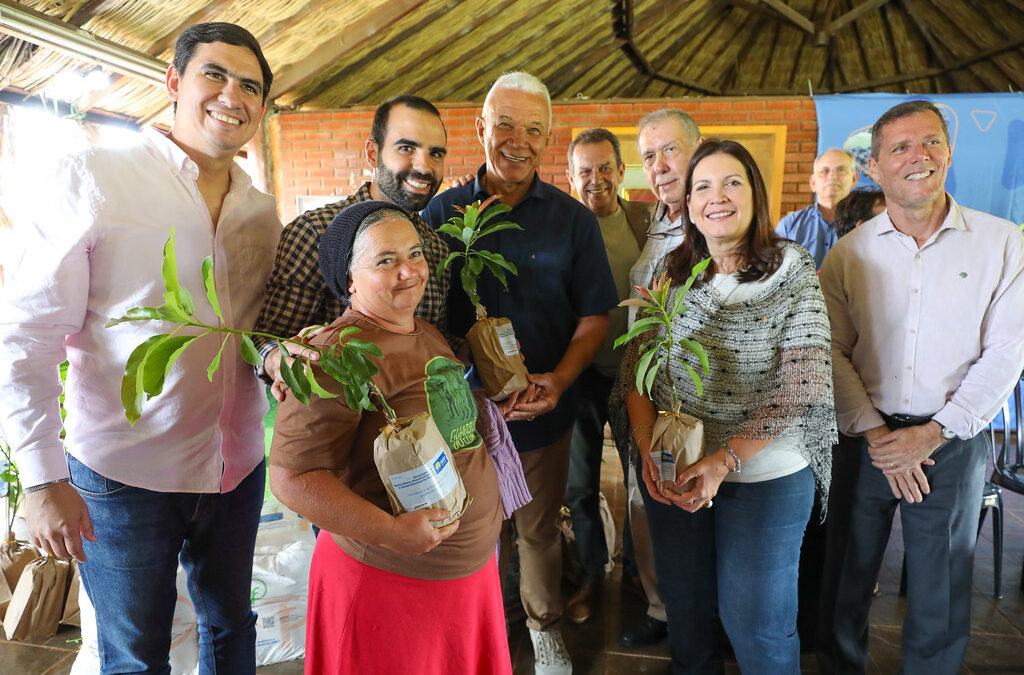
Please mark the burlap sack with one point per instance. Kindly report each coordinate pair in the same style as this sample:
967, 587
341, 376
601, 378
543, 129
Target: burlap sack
72, 616
677, 443
38, 600
14, 556
418, 469
496, 354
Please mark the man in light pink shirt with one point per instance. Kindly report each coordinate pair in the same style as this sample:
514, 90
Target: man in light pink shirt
187, 480
925, 302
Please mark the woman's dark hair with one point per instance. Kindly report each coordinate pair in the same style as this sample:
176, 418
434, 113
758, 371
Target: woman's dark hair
760, 251
856, 207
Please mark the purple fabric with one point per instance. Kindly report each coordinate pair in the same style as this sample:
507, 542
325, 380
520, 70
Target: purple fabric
511, 481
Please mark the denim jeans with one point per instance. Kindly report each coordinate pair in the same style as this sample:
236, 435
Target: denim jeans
130, 570
734, 566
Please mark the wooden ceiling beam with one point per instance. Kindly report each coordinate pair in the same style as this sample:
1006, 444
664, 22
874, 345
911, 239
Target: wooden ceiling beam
794, 17
329, 52
856, 13
570, 75
1010, 45
429, 78
822, 20
207, 12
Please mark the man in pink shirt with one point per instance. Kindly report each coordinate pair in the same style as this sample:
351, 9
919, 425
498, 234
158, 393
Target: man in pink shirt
186, 481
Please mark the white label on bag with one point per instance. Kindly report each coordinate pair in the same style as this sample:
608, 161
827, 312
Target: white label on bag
666, 464
507, 339
426, 485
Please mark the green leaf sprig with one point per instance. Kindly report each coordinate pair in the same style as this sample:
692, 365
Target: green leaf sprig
9, 476
653, 305
470, 227
150, 362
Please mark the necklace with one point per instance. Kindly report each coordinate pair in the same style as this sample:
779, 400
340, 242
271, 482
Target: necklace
723, 286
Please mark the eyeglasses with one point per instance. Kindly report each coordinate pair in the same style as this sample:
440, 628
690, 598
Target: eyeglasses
676, 231
838, 171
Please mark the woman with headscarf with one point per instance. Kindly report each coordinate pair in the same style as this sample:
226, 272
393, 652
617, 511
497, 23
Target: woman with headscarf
387, 593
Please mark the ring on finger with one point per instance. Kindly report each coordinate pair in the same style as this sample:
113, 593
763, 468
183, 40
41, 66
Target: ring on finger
892, 465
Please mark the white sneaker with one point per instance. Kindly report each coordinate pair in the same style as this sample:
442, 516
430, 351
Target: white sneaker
550, 657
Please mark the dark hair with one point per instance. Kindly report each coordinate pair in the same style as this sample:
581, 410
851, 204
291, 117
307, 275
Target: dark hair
905, 109
219, 31
855, 207
760, 251
596, 136
379, 132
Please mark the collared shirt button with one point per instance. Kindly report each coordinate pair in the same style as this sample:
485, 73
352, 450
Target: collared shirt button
917, 290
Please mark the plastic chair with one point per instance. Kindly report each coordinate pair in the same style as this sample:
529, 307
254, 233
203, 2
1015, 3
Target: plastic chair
1008, 452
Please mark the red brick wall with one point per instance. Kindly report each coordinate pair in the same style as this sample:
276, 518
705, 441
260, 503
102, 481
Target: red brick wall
321, 153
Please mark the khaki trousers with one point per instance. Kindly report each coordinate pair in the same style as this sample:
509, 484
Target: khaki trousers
538, 539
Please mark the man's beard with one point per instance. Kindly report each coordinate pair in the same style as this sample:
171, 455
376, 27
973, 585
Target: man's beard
393, 187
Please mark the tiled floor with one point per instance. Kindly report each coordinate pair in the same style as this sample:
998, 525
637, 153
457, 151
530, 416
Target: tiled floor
996, 647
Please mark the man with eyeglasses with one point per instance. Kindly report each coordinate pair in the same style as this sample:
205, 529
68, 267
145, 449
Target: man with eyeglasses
666, 141
835, 174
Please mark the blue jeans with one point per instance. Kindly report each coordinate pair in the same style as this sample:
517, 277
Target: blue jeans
130, 570
734, 566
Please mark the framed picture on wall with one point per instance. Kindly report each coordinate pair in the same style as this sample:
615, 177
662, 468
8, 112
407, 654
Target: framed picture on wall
766, 142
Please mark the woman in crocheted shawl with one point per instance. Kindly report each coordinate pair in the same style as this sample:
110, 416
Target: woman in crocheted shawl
729, 547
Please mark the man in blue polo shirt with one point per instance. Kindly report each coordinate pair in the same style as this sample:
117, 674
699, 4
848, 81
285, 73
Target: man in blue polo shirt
558, 305
835, 174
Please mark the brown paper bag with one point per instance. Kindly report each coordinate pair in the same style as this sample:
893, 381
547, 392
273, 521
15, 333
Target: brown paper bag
72, 615
677, 444
418, 469
501, 368
14, 556
38, 600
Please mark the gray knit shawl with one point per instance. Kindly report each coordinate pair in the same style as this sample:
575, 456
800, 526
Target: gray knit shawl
770, 367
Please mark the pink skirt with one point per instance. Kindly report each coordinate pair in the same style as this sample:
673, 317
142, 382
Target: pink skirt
365, 620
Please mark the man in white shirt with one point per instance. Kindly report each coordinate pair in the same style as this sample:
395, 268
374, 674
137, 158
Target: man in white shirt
925, 305
187, 480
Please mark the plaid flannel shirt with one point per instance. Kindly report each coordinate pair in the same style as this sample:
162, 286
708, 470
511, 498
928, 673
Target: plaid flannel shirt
298, 296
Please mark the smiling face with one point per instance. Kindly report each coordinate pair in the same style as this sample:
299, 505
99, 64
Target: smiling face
913, 159
721, 202
595, 176
665, 153
387, 279
409, 166
219, 100
833, 178
514, 132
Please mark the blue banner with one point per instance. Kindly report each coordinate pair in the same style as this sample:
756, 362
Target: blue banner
986, 132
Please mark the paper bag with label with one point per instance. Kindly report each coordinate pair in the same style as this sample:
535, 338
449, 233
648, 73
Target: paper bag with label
501, 368
418, 468
677, 443
38, 600
14, 556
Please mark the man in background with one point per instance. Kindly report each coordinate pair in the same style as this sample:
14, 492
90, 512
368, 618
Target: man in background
835, 174
595, 172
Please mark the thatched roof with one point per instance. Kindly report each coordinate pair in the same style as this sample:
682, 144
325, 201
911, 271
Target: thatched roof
341, 53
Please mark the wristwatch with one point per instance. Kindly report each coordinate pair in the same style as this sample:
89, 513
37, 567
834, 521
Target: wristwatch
946, 433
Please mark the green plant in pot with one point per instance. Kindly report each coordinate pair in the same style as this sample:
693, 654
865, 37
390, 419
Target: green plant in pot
491, 339
677, 439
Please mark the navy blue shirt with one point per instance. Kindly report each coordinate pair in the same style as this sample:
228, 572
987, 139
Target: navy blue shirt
563, 275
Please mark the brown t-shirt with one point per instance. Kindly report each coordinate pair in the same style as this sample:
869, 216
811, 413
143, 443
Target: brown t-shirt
418, 372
